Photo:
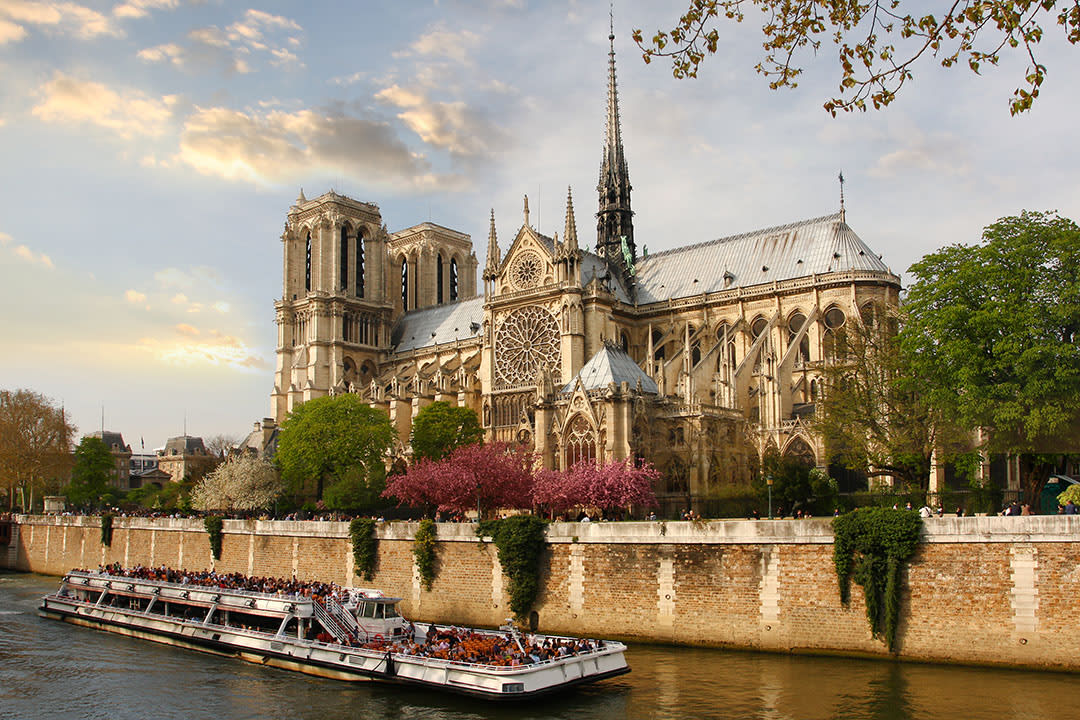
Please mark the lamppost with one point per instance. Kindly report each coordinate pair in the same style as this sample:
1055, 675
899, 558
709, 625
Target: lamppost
768, 481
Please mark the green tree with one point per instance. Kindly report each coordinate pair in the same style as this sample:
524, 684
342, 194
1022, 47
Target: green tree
35, 446
356, 493
94, 464
874, 412
326, 439
975, 33
796, 485
442, 427
994, 330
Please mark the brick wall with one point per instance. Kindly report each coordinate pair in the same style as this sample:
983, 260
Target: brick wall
979, 590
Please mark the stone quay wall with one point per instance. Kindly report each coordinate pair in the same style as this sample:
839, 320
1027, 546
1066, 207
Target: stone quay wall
983, 590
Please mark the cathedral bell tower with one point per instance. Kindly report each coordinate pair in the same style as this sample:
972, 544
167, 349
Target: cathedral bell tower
614, 218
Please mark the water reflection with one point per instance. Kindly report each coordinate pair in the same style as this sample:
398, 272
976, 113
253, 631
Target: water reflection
48, 669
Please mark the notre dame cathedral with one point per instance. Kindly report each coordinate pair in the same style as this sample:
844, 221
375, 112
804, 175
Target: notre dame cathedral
699, 359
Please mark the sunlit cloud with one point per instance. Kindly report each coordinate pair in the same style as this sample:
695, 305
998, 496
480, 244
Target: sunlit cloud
221, 306
450, 126
134, 297
185, 329
24, 253
60, 17
169, 51
443, 42
141, 8
218, 350
127, 112
276, 146
179, 299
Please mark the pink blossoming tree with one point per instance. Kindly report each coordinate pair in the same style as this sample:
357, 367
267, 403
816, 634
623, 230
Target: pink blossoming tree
485, 476
617, 484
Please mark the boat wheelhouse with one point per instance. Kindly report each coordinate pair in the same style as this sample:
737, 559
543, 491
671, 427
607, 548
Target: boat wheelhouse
344, 633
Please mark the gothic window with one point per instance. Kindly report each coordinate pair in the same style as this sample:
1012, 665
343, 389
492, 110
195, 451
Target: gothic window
658, 352
404, 284
758, 326
453, 280
625, 342
438, 279
344, 259
726, 335
795, 325
360, 263
526, 341
345, 327
307, 264
834, 323
579, 443
695, 355
801, 451
868, 314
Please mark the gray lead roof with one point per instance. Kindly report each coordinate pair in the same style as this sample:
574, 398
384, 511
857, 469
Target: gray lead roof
611, 365
460, 320
821, 245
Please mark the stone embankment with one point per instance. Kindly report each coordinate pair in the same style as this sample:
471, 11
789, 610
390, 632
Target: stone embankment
994, 590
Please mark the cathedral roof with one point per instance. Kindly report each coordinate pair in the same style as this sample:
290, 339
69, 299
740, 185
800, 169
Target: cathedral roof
611, 365
459, 320
593, 264
821, 245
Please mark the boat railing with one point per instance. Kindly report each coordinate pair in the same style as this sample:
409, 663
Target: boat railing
291, 597
331, 624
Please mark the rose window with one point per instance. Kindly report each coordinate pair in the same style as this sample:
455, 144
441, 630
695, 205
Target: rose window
526, 341
526, 270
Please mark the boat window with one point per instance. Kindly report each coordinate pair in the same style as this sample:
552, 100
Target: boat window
391, 611
379, 610
367, 610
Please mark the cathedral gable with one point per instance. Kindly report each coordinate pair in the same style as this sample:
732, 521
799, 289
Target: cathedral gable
529, 263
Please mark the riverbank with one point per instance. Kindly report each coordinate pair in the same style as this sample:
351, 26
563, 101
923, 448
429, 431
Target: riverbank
983, 590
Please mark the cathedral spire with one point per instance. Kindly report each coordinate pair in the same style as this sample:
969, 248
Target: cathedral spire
494, 258
614, 218
570, 230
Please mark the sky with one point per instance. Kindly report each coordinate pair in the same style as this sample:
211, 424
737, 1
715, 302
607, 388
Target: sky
150, 150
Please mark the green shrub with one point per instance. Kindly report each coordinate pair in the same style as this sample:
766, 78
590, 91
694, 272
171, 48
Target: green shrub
213, 524
871, 546
520, 541
424, 551
364, 547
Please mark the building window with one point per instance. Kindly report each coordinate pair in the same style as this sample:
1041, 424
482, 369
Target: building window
438, 279
580, 445
795, 325
360, 263
307, 265
404, 284
832, 342
344, 259
453, 280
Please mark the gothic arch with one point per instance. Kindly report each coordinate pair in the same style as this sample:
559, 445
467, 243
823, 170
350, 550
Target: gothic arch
797, 447
579, 440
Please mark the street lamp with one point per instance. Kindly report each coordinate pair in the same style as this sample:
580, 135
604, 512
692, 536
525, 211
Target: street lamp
768, 481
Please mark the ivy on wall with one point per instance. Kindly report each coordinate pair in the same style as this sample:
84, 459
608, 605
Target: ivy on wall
106, 529
871, 546
364, 546
424, 551
520, 542
213, 524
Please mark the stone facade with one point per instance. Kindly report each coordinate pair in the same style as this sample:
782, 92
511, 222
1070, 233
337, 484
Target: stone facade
978, 590
700, 359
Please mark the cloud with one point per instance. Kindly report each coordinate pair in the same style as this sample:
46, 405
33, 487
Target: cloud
218, 350
347, 80
179, 299
450, 126
276, 146
10, 32
442, 42
135, 297
25, 254
231, 49
169, 51
937, 156
61, 17
141, 8
127, 112
221, 306
196, 278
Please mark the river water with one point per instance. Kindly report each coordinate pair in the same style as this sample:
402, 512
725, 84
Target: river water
52, 670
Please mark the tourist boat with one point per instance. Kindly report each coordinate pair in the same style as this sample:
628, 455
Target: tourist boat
358, 636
